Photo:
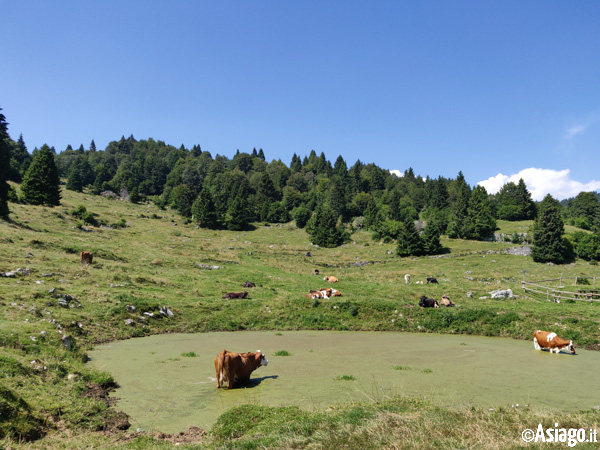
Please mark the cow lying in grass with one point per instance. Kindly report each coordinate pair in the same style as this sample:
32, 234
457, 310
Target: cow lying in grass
445, 301
331, 279
428, 302
324, 293
432, 280
231, 295
248, 284
551, 341
231, 367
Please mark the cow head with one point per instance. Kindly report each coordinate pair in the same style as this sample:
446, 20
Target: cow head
263, 361
571, 347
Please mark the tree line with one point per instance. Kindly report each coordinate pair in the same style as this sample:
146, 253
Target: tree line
328, 200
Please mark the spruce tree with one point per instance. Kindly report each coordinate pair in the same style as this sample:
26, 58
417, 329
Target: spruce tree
409, 241
41, 183
4, 165
204, 211
323, 229
74, 182
548, 230
236, 217
459, 220
431, 240
528, 205
481, 220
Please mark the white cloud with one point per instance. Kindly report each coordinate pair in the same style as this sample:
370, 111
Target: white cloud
397, 173
541, 182
574, 131
581, 127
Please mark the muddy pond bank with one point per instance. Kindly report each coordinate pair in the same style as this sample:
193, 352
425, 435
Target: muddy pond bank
163, 386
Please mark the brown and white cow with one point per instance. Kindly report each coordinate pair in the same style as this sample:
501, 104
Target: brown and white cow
231, 367
86, 258
324, 293
231, 295
331, 279
407, 278
445, 301
551, 341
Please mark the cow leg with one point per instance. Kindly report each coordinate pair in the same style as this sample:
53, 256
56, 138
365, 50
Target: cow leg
536, 345
230, 378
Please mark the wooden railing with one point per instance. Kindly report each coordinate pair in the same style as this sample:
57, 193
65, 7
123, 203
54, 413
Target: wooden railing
581, 292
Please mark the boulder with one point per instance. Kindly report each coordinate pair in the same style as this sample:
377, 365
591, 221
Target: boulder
502, 293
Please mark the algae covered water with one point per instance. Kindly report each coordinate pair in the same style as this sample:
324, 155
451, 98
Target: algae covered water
164, 387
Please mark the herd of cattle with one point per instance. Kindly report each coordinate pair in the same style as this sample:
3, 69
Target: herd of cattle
233, 367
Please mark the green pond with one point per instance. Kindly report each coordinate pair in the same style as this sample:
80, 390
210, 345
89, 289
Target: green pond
160, 389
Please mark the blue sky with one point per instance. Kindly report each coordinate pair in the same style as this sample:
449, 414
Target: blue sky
493, 88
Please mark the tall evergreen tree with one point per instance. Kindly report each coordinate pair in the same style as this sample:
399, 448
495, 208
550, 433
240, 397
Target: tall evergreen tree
204, 211
340, 168
481, 220
459, 219
236, 217
524, 196
4, 165
41, 185
74, 182
323, 229
431, 240
20, 159
296, 164
548, 230
92, 146
409, 241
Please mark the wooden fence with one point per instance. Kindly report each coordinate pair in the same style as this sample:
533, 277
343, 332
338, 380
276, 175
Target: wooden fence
579, 292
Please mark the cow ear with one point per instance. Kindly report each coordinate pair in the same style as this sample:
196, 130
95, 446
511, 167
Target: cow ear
258, 351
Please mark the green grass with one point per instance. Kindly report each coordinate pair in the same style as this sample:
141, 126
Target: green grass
282, 353
153, 263
346, 378
189, 355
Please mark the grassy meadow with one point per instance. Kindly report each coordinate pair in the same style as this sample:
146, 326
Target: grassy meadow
50, 398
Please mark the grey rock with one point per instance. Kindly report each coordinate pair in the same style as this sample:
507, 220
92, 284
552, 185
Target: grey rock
502, 293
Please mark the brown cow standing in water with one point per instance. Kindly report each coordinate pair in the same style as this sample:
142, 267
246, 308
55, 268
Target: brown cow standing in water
231, 367
551, 341
85, 258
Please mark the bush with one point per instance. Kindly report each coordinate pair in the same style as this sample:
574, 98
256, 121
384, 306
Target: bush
301, 215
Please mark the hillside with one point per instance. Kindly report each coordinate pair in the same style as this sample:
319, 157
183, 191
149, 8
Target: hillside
151, 258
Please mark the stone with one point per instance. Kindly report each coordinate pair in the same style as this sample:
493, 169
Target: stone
130, 308
469, 294
502, 293
129, 321
68, 341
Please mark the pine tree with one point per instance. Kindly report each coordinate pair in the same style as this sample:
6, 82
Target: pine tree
236, 217
409, 241
323, 229
41, 183
92, 146
204, 211
4, 165
548, 230
481, 220
296, 164
74, 182
20, 159
431, 240
529, 208
459, 220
